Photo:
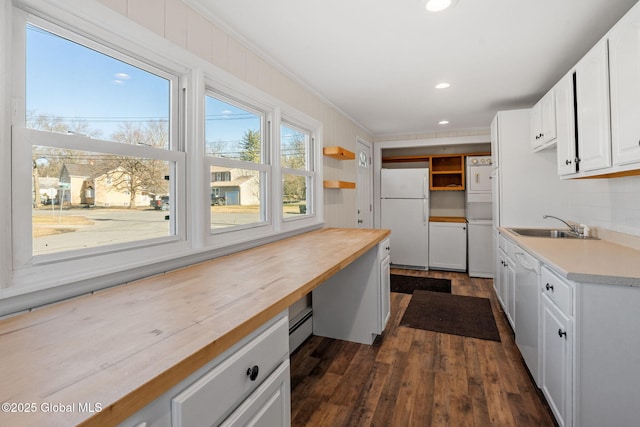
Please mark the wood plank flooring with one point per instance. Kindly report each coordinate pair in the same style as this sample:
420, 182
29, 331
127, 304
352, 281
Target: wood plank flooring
411, 377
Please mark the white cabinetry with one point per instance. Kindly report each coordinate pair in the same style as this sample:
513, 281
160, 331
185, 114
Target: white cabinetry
247, 384
353, 304
384, 255
624, 59
557, 338
543, 122
589, 347
592, 100
566, 127
268, 406
448, 245
506, 278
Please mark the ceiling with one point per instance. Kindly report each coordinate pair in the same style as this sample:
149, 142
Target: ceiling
379, 60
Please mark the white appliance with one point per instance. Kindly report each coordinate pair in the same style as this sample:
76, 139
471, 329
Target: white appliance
404, 203
527, 296
479, 216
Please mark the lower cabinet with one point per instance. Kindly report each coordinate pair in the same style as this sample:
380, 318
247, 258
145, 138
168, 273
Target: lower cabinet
505, 278
354, 304
268, 406
384, 254
448, 246
246, 385
557, 360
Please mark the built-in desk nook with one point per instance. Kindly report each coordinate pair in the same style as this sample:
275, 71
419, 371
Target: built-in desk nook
206, 342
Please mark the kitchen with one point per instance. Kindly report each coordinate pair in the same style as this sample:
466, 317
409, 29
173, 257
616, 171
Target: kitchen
187, 39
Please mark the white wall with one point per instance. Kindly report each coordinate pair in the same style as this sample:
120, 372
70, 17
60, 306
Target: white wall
181, 25
612, 203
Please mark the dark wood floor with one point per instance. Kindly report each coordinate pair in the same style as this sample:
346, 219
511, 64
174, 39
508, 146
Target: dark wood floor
411, 377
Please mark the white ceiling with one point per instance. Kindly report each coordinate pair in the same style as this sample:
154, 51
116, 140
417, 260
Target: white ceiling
379, 60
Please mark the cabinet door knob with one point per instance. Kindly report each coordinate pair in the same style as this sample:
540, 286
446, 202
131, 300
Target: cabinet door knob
562, 333
252, 373
549, 287
567, 162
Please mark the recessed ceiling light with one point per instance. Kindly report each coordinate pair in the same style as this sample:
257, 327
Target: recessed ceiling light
443, 122
439, 5
442, 85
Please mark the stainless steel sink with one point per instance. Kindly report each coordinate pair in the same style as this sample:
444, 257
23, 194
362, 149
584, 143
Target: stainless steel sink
547, 232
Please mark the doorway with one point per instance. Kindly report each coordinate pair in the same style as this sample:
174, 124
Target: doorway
364, 185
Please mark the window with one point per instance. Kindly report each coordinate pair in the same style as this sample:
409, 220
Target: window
297, 171
102, 122
99, 137
236, 155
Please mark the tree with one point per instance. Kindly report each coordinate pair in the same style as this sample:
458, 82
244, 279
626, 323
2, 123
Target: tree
136, 175
250, 146
294, 157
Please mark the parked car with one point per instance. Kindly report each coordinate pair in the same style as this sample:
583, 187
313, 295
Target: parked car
49, 201
217, 200
161, 203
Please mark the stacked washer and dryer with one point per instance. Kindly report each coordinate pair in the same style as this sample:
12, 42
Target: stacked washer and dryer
479, 217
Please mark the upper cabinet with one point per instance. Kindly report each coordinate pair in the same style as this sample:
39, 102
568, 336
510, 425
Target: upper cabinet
624, 58
592, 100
447, 172
596, 108
565, 123
543, 122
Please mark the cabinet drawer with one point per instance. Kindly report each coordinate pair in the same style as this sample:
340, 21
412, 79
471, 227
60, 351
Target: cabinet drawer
269, 405
384, 249
220, 390
558, 290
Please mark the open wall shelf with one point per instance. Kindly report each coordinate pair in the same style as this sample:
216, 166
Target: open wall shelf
338, 153
338, 184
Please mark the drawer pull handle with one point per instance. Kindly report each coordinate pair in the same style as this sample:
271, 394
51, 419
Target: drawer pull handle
562, 333
549, 287
252, 373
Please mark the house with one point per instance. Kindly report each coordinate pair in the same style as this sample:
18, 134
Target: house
366, 86
234, 187
87, 185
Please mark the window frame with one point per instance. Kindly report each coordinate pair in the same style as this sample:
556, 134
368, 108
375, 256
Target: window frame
24, 283
239, 233
82, 262
309, 171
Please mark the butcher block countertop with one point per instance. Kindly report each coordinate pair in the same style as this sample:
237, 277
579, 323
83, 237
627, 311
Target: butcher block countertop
123, 347
584, 260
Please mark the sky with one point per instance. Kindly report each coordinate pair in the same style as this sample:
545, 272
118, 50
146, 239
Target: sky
68, 80
76, 83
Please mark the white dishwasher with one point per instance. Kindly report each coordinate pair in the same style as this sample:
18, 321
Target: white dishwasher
527, 298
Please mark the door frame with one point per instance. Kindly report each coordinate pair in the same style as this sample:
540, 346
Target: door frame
360, 188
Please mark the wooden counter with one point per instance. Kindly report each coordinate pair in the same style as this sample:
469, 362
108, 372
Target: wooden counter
123, 347
456, 219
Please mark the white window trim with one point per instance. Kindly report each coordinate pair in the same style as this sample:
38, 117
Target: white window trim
33, 284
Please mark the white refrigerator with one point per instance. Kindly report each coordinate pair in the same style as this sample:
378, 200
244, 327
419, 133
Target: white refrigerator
404, 204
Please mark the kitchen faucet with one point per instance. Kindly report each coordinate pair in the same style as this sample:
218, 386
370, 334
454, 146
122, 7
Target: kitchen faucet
574, 228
